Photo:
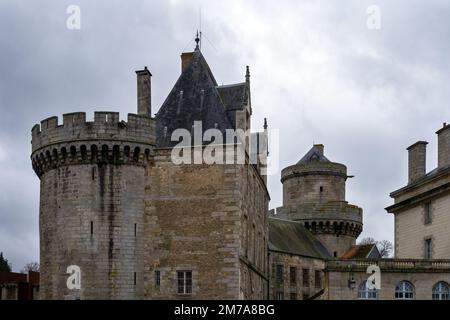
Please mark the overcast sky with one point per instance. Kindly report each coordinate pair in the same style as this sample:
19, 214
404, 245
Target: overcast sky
318, 74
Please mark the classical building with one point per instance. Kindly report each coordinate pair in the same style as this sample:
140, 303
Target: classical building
139, 226
312, 250
421, 208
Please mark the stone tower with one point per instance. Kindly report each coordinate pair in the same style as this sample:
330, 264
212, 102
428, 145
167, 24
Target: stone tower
92, 185
314, 193
140, 225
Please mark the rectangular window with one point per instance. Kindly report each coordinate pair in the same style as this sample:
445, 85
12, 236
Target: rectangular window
184, 279
92, 227
306, 277
293, 275
318, 279
293, 296
280, 295
428, 213
135, 229
279, 273
428, 248
157, 278
135, 278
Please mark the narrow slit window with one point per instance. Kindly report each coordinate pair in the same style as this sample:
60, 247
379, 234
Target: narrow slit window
92, 228
135, 278
135, 229
157, 278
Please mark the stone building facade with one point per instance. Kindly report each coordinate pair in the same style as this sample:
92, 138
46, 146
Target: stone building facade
421, 208
315, 231
140, 226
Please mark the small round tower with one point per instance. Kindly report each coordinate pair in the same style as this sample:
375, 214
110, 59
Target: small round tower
92, 184
314, 193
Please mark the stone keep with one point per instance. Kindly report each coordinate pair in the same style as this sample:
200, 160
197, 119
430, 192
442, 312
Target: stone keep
92, 202
115, 204
314, 193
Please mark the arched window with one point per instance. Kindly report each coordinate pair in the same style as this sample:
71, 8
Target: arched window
404, 290
441, 291
365, 293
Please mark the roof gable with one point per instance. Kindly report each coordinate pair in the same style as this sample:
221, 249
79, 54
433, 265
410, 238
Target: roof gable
314, 154
194, 97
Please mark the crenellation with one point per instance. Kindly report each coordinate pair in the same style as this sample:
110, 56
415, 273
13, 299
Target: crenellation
106, 126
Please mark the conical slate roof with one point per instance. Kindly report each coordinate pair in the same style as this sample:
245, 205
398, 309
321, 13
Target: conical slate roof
195, 97
315, 154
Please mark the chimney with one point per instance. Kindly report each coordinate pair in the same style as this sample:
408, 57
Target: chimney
144, 92
417, 156
319, 148
443, 146
185, 59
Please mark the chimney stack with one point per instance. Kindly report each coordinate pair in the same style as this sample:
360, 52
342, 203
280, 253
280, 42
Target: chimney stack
417, 156
444, 146
144, 92
319, 148
185, 59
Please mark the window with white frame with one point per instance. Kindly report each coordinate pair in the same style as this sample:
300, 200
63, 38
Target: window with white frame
184, 280
441, 291
364, 293
404, 290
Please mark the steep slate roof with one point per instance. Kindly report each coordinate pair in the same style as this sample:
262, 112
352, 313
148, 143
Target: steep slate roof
196, 97
293, 238
314, 154
234, 97
362, 251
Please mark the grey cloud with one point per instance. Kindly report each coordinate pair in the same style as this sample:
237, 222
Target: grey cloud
318, 74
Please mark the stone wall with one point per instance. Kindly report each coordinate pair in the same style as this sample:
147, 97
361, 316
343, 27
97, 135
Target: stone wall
423, 280
411, 230
211, 219
88, 217
296, 289
92, 203
313, 183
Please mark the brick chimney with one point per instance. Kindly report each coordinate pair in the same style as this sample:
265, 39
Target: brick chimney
319, 148
185, 59
417, 156
443, 146
144, 92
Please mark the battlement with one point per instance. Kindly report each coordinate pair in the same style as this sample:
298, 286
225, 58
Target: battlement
106, 126
314, 168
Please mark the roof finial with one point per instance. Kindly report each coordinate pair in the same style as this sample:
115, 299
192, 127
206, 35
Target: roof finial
265, 123
197, 40
247, 74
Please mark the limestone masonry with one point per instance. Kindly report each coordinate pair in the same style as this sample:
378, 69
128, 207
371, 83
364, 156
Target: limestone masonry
114, 203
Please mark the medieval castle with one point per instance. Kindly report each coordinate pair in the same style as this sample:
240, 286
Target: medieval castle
139, 226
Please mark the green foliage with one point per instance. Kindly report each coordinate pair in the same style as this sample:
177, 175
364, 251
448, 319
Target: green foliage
5, 266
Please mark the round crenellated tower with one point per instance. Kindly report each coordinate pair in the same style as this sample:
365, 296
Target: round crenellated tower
314, 193
92, 203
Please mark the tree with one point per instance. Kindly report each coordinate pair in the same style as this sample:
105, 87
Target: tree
385, 247
368, 240
32, 266
5, 266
